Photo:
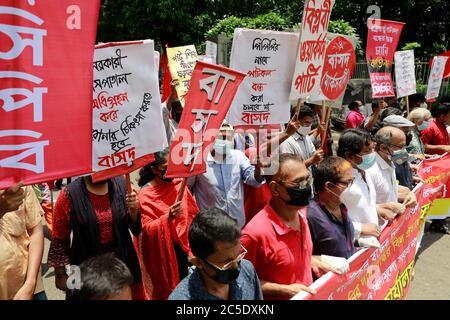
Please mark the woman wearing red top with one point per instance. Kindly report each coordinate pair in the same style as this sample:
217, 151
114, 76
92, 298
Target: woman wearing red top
163, 245
100, 217
354, 117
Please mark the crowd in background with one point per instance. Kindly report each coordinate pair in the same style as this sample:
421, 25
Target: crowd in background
239, 231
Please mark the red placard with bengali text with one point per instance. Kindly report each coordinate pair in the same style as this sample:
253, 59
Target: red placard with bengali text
339, 63
211, 91
386, 272
46, 53
383, 273
382, 41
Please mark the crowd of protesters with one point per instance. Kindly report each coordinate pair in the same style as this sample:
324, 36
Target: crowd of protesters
240, 231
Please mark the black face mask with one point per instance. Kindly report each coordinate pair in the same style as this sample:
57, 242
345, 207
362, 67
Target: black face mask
224, 276
163, 176
299, 197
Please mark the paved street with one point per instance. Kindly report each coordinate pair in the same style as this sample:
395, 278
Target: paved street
431, 279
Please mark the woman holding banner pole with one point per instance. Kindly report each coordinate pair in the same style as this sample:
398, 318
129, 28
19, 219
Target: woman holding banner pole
163, 245
91, 219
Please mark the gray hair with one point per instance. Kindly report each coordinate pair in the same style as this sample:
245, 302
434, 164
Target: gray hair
383, 137
419, 114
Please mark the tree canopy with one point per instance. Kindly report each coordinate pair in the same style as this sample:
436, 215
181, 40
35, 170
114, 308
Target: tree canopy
191, 21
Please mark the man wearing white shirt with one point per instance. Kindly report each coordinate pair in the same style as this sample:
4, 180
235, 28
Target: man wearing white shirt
300, 143
356, 146
391, 143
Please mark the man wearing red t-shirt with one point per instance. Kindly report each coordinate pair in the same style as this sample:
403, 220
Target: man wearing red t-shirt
255, 199
436, 141
435, 138
277, 239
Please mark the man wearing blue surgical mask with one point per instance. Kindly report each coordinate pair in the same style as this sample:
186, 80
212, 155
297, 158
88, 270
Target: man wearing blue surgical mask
391, 198
227, 169
356, 146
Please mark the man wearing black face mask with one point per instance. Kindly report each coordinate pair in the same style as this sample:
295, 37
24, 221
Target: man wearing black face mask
278, 239
221, 271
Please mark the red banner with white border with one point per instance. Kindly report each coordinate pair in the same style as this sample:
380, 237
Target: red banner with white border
382, 41
212, 89
46, 50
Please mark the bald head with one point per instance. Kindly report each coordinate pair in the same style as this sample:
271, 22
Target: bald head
390, 137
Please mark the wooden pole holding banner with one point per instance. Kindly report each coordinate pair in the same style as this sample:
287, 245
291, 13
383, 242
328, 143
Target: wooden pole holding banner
181, 191
297, 107
327, 122
407, 106
323, 110
128, 181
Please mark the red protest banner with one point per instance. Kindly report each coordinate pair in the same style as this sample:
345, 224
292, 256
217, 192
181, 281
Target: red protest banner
436, 175
379, 273
385, 272
382, 41
46, 50
339, 63
211, 91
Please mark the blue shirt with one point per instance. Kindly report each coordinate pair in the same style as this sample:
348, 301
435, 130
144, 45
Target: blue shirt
330, 236
245, 287
221, 186
404, 175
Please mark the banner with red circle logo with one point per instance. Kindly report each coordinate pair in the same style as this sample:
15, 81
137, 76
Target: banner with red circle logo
339, 63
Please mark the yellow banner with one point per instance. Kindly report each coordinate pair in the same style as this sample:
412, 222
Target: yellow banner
182, 62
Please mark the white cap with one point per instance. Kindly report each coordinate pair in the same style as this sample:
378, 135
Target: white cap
397, 121
226, 126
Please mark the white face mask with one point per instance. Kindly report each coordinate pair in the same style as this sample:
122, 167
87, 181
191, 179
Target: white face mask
223, 146
350, 197
304, 131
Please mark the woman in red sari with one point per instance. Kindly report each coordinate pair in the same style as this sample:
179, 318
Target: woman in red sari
163, 244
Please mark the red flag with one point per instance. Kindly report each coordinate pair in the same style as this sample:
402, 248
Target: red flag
211, 91
447, 66
167, 78
382, 41
46, 54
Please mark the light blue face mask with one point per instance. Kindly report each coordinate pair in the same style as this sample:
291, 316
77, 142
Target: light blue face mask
399, 156
368, 161
222, 146
424, 125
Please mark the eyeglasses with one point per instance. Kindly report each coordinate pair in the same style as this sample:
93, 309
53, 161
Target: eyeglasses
301, 185
394, 145
228, 265
347, 183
